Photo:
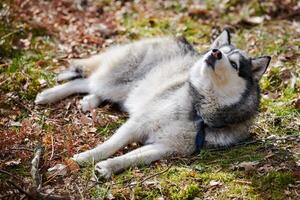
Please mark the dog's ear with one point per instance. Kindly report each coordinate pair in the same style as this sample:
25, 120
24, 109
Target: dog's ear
259, 66
222, 39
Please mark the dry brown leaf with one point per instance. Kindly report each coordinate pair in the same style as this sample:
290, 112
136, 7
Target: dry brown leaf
72, 165
214, 183
59, 170
297, 103
13, 162
247, 166
266, 168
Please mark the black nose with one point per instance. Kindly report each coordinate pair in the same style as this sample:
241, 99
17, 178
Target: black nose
217, 54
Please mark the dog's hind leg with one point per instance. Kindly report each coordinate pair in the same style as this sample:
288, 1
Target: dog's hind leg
61, 91
141, 156
126, 134
80, 68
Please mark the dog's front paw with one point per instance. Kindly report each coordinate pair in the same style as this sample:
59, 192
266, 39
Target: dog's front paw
89, 102
83, 158
103, 170
40, 98
47, 96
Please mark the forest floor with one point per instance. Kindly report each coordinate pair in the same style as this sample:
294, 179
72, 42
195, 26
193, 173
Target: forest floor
38, 37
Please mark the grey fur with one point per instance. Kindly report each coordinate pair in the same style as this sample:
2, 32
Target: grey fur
160, 82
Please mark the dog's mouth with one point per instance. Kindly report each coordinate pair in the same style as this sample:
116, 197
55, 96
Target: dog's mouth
211, 61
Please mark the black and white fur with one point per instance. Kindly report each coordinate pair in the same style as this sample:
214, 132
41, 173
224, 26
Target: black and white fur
161, 82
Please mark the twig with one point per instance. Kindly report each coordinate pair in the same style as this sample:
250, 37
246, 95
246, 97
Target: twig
9, 34
2, 83
21, 148
4, 65
52, 176
6, 172
44, 196
52, 148
6, 196
37, 177
20, 189
243, 182
291, 15
156, 174
35, 172
121, 182
22, 105
35, 194
9, 174
80, 192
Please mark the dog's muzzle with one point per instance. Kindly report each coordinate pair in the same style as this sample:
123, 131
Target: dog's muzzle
213, 57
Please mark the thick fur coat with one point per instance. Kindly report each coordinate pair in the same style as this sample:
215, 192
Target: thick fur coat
162, 83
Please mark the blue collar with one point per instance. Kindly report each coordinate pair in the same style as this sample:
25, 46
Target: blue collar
200, 131
200, 134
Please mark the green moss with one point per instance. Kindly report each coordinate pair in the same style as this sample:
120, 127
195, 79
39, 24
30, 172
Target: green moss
144, 27
233, 155
20, 171
272, 185
99, 192
188, 192
21, 73
237, 190
142, 193
272, 81
23, 76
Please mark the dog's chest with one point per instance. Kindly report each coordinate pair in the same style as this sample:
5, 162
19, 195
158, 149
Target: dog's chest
159, 85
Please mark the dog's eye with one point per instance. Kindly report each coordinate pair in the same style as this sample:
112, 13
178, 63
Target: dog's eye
234, 65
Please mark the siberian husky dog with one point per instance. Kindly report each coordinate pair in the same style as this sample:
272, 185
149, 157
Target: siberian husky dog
163, 83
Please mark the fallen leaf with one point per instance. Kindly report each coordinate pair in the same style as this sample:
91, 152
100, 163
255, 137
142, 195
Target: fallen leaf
12, 123
285, 74
59, 169
93, 130
13, 162
214, 183
247, 166
266, 168
42, 82
151, 183
198, 11
297, 103
253, 20
296, 174
85, 120
72, 165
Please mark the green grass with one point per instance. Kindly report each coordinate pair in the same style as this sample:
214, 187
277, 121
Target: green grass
110, 127
22, 69
273, 185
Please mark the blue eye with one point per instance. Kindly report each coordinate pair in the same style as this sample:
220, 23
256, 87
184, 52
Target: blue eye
234, 65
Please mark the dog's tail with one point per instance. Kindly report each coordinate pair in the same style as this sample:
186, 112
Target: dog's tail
80, 68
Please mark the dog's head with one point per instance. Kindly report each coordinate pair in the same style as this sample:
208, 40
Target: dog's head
227, 71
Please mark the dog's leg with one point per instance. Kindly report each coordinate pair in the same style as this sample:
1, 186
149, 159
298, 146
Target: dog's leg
141, 156
61, 91
90, 102
90, 62
126, 134
80, 68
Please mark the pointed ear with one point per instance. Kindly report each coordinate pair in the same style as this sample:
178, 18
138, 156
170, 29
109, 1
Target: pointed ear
259, 66
222, 39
